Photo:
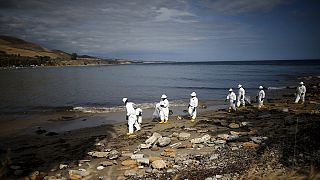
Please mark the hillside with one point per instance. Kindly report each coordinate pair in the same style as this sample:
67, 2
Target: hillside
15, 46
16, 52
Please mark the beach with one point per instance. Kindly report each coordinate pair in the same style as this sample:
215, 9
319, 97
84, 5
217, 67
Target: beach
279, 140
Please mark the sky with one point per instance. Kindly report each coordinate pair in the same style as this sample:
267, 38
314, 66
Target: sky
169, 30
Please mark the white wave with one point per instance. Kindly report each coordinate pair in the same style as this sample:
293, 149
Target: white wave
276, 88
87, 109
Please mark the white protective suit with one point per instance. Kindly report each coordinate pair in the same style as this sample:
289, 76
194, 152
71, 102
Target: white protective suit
132, 117
241, 96
193, 107
139, 115
164, 110
232, 99
261, 96
300, 93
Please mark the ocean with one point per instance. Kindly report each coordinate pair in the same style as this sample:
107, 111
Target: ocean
101, 88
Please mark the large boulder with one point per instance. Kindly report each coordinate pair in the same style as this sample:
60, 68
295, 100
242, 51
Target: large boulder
184, 136
153, 138
164, 141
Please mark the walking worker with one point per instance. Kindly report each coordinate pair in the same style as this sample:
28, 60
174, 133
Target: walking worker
300, 92
164, 109
192, 108
261, 96
131, 116
139, 116
241, 95
232, 99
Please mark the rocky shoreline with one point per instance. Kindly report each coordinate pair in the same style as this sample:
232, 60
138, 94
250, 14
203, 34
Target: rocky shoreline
276, 142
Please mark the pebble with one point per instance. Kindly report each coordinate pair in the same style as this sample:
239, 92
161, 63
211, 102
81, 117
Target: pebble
100, 167
137, 156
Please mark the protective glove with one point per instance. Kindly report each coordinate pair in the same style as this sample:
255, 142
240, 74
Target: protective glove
262, 99
194, 109
302, 94
225, 100
127, 117
188, 105
161, 105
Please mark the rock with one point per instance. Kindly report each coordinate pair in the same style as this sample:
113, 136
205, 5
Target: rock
130, 172
190, 129
256, 140
285, 110
233, 138
234, 148
200, 146
106, 163
149, 170
205, 138
221, 141
184, 136
196, 141
175, 134
63, 166
151, 159
100, 168
209, 178
143, 161
168, 154
179, 118
98, 154
202, 130
250, 145
153, 138
175, 144
155, 148
234, 126
223, 136
126, 154
218, 176
164, 141
137, 156
159, 164
145, 146
114, 154
169, 170
129, 162
181, 158
234, 133
244, 124
214, 156
187, 162
75, 174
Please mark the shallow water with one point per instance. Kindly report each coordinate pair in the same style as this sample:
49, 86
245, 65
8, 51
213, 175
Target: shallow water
49, 88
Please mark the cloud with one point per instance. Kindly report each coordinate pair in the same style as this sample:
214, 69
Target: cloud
165, 14
234, 7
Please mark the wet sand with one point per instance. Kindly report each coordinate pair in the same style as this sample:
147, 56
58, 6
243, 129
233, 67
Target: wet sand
45, 151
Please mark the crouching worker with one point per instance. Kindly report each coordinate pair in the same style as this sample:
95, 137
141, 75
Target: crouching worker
192, 108
232, 99
139, 116
261, 96
131, 116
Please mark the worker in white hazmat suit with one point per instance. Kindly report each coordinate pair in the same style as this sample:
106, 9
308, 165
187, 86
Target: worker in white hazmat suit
164, 109
192, 108
261, 96
241, 96
300, 92
139, 116
232, 99
131, 116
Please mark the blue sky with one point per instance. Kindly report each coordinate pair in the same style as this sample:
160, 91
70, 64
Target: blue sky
178, 30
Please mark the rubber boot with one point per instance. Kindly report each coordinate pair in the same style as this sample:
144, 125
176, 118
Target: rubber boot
161, 122
166, 122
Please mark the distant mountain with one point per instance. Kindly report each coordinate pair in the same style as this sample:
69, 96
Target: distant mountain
16, 46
